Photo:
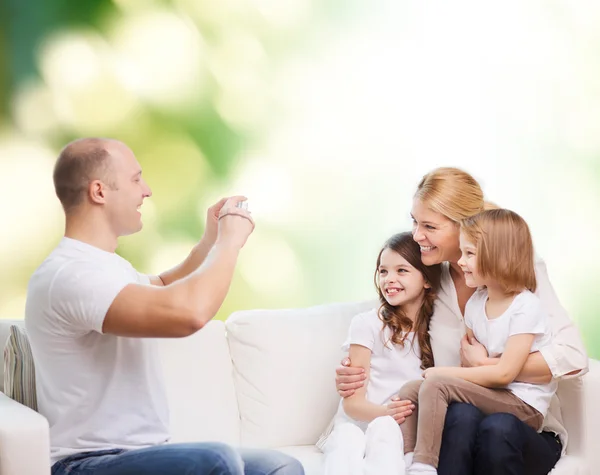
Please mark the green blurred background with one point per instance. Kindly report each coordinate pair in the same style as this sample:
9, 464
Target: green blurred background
325, 113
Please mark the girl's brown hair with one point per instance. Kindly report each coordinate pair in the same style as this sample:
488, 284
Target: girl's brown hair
394, 317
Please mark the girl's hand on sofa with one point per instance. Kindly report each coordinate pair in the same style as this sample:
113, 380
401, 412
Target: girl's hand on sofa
348, 379
400, 410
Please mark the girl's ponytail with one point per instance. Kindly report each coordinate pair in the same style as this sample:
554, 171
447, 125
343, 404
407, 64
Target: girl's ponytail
421, 328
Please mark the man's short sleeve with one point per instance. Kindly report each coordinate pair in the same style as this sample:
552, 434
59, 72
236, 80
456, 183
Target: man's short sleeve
363, 330
82, 293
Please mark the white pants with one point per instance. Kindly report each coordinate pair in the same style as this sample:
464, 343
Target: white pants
377, 451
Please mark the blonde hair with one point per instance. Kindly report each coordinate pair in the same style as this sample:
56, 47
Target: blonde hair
504, 248
453, 193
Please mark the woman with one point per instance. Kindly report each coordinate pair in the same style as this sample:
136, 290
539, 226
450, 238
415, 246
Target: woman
499, 444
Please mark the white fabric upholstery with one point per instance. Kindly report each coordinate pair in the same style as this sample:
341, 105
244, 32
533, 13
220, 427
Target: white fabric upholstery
581, 414
284, 363
301, 348
312, 460
282, 380
202, 400
310, 457
24, 440
572, 465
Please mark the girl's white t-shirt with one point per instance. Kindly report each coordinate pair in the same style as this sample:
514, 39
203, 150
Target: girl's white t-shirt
565, 354
391, 365
524, 315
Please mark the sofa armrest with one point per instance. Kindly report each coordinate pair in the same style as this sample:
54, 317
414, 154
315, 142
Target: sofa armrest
24, 440
581, 413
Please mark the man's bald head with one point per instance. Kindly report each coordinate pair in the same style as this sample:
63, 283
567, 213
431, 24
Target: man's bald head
79, 163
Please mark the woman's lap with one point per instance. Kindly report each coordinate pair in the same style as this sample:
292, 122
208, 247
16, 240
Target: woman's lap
499, 444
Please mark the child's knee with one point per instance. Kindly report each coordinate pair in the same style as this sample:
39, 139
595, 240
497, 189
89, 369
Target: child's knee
410, 391
437, 385
385, 430
384, 425
347, 435
438, 381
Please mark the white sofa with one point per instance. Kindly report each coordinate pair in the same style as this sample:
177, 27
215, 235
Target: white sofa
265, 378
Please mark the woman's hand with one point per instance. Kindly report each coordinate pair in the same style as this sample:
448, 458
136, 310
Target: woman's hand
472, 353
348, 379
400, 410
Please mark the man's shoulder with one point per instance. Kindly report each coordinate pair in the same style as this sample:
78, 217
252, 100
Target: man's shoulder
66, 269
76, 286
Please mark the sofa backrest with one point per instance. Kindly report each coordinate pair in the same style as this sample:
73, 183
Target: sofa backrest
284, 366
199, 381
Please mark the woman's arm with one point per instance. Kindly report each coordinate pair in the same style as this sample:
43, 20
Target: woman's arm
348, 378
498, 375
566, 356
357, 406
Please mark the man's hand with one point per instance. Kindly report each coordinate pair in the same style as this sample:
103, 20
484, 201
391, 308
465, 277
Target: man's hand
400, 410
472, 353
234, 224
348, 379
212, 220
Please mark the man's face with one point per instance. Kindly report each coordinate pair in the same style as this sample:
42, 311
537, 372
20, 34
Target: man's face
129, 190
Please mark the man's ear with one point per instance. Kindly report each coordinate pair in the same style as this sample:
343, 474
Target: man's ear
97, 191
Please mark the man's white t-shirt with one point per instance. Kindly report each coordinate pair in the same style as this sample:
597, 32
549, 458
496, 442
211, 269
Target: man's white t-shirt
97, 391
391, 365
524, 315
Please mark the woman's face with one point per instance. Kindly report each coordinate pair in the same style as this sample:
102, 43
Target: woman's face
437, 235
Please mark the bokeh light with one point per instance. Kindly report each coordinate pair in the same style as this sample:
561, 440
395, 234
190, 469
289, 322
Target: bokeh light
325, 114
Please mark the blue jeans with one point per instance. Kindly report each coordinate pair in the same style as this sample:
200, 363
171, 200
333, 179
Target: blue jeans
499, 444
202, 458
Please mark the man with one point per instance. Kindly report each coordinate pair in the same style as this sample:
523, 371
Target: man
91, 319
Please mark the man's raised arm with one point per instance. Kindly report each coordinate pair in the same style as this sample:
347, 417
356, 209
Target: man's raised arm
183, 307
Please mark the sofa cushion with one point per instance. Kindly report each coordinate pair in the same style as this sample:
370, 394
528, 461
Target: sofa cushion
311, 458
19, 370
284, 370
4, 334
199, 381
198, 376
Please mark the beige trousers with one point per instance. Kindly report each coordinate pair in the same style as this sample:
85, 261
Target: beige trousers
422, 431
